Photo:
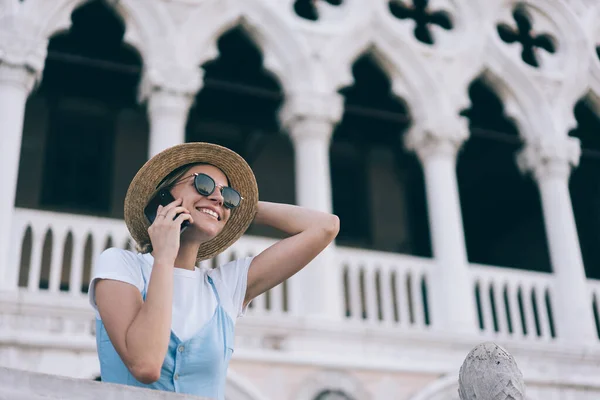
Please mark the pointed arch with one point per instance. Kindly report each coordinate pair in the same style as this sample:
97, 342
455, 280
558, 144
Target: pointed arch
284, 53
567, 67
145, 25
523, 102
410, 76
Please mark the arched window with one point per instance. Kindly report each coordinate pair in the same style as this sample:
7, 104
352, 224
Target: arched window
84, 123
377, 185
332, 394
237, 108
501, 208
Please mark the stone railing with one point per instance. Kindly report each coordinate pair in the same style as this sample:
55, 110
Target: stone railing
54, 252
23, 385
384, 288
52, 255
488, 373
514, 304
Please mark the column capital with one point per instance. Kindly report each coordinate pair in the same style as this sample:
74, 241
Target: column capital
17, 75
439, 139
172, 81
549, 157
311, 114
22, 54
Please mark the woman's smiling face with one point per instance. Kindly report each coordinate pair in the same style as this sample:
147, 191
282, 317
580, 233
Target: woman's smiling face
208, 212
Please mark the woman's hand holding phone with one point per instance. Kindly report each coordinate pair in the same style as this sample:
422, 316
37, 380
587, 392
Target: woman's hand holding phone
165, 231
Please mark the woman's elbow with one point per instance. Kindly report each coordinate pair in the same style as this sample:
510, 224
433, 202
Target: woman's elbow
146, 373
332, 226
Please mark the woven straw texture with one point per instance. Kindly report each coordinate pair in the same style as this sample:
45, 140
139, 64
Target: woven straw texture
236, 169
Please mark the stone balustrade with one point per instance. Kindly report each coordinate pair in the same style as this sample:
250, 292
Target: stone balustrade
23, 385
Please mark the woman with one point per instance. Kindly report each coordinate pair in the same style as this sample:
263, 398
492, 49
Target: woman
164, 323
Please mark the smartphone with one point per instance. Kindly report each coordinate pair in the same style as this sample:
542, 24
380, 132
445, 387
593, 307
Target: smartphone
162, 198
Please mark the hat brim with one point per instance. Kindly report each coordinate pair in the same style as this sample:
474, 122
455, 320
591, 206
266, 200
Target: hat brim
238, 172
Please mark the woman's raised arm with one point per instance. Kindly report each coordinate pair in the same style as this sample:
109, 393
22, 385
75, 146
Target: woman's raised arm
311, 232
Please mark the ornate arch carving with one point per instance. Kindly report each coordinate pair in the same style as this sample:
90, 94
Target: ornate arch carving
523, 102
285, 53
145, 25
411, 77
547, 94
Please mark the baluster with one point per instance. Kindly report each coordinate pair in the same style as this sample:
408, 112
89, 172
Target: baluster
402, 299
354, 290
501, 311
486, 305
59, 237
515, 311
529, 314
417, 294
77, 263
370, 292
17, 249
387, 300
35, 268
542, 313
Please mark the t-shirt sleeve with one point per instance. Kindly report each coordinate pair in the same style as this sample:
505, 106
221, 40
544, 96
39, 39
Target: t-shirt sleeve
116, 264
234, 276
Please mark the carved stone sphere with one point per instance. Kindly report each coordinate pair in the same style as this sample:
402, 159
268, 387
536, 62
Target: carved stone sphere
490, 373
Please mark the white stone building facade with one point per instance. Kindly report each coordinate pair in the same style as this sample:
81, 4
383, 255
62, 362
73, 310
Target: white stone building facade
360, 322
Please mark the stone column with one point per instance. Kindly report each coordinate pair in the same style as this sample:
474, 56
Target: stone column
21, 63
550, 162
317, 290
169, 92
453, 305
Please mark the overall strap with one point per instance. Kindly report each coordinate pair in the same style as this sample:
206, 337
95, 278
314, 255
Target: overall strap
145, 282
212, 284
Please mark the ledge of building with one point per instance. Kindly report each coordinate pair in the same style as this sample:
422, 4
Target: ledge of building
22, 385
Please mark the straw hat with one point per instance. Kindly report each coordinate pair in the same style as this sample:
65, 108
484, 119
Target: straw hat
238, 172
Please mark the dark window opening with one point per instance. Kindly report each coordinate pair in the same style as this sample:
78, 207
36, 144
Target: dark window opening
378, 189
501, 208
237, 108
74, 126
584, 186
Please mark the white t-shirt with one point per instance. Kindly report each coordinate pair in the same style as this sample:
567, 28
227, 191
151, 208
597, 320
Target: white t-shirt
194, 301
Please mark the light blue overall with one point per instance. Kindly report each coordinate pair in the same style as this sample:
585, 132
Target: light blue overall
197, 366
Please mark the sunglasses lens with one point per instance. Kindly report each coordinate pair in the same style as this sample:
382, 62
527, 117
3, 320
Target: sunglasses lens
204, 184
231, 198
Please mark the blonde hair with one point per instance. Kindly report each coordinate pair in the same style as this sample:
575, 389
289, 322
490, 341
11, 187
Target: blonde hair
167, 182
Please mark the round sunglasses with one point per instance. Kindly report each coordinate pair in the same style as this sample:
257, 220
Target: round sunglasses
205, 185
